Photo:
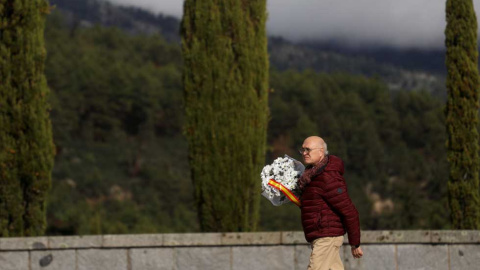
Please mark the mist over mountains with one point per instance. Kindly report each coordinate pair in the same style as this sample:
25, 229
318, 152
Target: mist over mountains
391, 23
401, 68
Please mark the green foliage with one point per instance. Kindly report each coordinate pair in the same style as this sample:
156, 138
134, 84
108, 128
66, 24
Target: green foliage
26, 147
226, 90
462, 114
122, 162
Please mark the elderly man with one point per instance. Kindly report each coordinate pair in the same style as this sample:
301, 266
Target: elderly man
327, 211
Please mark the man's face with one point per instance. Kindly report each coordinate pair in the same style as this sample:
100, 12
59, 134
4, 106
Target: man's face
313, 151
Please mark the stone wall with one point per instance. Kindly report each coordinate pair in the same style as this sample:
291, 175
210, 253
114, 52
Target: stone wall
396, 250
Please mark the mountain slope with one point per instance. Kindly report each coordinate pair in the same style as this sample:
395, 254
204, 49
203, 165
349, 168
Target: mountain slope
131, 19
399, 69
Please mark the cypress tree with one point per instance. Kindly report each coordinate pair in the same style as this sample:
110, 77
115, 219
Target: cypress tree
461, 113
26, 145
225, 80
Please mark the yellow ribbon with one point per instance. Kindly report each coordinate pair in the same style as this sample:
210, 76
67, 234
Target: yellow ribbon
285, 191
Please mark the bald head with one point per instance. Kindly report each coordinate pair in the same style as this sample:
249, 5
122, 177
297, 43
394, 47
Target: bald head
315, 141
315, 149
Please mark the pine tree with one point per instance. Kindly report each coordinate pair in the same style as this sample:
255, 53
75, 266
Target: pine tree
225, 80
461, 113
26, 145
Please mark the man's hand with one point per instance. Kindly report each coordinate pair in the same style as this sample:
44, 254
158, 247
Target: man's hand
357, 252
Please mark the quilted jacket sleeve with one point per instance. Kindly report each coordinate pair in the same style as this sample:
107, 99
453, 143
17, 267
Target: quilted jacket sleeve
334, 192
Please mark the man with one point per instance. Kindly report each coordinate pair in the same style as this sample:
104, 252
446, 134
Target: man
327, 211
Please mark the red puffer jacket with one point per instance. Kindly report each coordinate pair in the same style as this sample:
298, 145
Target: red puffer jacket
327, 210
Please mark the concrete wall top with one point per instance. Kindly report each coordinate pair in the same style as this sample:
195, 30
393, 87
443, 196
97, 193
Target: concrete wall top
229, 239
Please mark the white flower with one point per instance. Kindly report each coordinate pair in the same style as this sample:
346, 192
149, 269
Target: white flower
284, 171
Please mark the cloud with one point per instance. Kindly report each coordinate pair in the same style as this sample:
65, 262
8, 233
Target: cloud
400, 23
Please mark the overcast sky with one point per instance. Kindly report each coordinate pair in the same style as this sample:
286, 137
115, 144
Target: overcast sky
400, 23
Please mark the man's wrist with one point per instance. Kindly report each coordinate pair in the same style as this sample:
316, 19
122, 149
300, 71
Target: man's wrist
355, 246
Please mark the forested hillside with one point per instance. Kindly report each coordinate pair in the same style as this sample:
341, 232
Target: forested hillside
133, 20
400, 69
286, 55
121, 159
121, 164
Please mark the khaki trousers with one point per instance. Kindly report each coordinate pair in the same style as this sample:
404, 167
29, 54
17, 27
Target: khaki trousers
326, 254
